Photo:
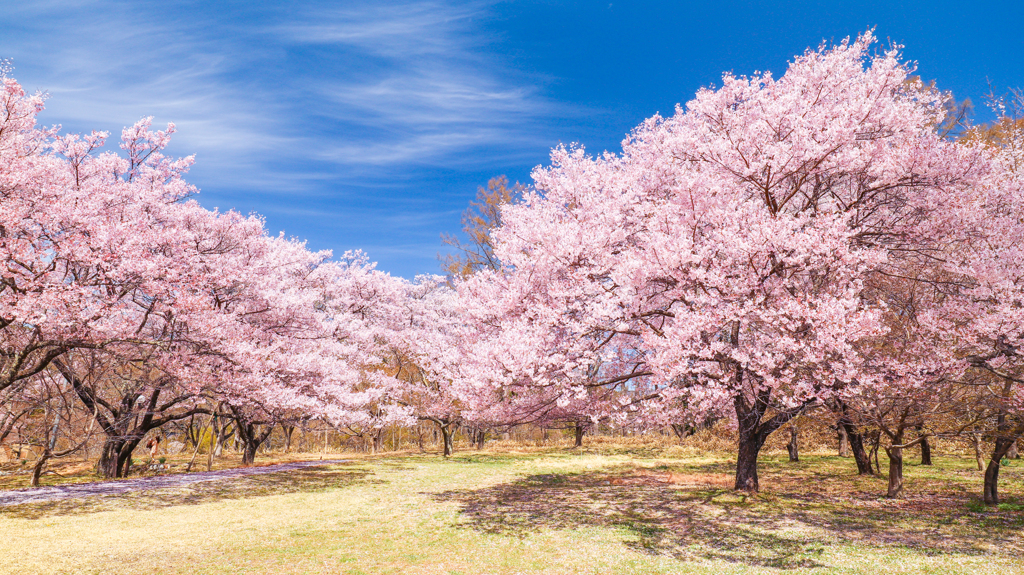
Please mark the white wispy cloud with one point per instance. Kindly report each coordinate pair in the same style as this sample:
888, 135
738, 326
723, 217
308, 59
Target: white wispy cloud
398, 30
105, 69
435, 93
287, 107
411, 82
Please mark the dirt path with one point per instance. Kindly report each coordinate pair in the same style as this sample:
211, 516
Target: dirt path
100, 488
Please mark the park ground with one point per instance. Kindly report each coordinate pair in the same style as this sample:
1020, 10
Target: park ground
606, 509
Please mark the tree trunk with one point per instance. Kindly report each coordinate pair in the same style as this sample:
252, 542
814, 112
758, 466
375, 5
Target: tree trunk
124, 424
746, 462
579, 430
860, 454
1012, 453
123, 429
793, 446
1006, 439
895, 468
249, 436
124, 460
926, 448
926, 452
37, 469
856, 441
107, 464
876, 440
844, 441
481, 437
446, 434
750, 440
978, 456
195, 451
193, 436
115, 459
991, 489
249, 452
753, 432
227, 431
288, 431
215, 430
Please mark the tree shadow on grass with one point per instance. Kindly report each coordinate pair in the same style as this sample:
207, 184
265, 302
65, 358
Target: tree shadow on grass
694, 521
661, 518
245, 487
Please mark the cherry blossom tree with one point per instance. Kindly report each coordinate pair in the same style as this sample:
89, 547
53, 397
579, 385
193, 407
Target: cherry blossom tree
82, 237
427, 335
719, 261
981, 322
108, 253
306, 337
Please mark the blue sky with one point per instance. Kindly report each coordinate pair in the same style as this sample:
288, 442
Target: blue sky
369, 125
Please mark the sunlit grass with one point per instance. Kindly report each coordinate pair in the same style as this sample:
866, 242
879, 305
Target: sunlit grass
603, 510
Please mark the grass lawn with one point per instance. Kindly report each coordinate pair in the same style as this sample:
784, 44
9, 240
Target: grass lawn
601, 511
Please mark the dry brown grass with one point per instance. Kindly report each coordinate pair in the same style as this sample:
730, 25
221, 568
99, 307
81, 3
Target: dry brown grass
613, 507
